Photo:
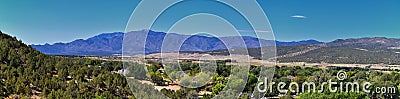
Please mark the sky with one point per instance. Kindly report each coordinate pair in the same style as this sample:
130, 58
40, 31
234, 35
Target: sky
52, 21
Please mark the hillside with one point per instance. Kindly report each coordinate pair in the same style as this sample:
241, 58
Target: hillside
374, 50
362, 50
25, 72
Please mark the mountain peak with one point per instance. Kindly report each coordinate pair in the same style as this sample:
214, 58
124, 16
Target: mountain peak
109, 35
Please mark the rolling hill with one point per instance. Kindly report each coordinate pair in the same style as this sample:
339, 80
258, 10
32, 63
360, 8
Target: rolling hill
362, 50
374, 50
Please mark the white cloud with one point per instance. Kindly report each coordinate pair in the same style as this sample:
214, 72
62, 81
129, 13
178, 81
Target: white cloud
299, 16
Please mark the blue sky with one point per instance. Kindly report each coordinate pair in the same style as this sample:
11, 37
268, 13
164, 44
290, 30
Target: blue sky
51, 21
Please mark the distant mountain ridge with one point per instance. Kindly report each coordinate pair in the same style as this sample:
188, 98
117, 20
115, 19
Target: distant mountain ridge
111, 43
367, 42
103, 44
368, 50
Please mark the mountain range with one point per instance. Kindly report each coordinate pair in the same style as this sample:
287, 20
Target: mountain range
373, 50
370, 50
112, 43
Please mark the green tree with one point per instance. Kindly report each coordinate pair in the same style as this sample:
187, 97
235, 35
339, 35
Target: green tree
218, 88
